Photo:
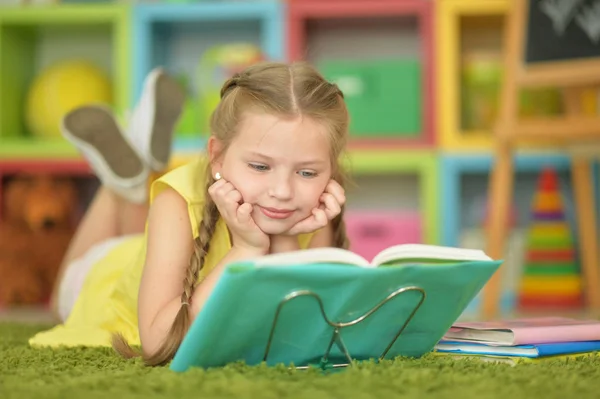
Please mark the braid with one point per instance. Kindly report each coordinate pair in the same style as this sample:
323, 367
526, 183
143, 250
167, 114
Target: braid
201, 246
182, 321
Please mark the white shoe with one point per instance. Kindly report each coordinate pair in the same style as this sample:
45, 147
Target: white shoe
154, 119
95, 132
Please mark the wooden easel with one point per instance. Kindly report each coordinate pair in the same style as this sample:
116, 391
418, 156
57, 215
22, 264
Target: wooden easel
573, 130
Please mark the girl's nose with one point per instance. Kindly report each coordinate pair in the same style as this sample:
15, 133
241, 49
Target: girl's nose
281, 188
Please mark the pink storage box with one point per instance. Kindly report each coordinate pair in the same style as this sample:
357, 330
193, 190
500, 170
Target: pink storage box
372, 231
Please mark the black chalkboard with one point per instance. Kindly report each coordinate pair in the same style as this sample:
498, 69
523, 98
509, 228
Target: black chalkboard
561, 30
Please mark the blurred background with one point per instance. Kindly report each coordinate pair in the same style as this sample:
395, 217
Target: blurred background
421, 79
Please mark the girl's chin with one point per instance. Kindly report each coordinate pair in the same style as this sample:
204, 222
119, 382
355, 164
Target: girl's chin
274, 227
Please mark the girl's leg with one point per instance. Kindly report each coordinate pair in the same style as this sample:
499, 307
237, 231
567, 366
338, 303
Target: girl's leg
108, 216
132, 217
122, 161
119, 206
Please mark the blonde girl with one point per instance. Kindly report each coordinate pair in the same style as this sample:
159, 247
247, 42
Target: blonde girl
270, 182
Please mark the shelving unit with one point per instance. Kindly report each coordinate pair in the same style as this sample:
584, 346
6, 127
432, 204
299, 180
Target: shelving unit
427, 178
31, 38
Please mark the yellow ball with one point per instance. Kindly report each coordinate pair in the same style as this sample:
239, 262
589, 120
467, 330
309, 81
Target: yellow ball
61, 88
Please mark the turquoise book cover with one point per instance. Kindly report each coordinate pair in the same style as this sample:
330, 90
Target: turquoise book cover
236, 321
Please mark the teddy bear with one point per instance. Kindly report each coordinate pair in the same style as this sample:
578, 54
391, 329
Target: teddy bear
38, 221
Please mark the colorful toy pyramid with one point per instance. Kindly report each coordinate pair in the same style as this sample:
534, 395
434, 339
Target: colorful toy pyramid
551, 277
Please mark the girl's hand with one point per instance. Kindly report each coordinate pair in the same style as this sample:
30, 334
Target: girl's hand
330, 206
238, 216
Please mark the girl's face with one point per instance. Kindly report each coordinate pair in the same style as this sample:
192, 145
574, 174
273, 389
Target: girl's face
280, 165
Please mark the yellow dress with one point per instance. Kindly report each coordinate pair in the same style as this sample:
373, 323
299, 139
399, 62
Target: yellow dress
108, 299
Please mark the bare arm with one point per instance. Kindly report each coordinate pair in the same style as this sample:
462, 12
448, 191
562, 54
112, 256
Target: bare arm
170, 245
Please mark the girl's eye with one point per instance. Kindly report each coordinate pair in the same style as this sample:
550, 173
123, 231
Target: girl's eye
308, 174
258, 167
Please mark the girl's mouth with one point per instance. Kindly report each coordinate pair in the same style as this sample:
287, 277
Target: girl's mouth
274, 213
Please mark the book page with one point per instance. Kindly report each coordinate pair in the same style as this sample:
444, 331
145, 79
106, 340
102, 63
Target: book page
312, 255
423, 253
487, 337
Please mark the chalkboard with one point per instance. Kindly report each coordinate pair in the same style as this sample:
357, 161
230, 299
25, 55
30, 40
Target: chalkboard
562, 30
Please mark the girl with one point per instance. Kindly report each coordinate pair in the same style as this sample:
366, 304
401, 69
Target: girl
270, 183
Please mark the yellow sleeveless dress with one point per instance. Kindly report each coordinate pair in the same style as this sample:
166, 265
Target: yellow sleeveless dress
107, 302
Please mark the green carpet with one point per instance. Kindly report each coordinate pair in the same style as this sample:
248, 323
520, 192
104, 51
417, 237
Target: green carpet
89, 373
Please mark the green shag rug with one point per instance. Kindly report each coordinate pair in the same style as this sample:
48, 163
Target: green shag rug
94, 372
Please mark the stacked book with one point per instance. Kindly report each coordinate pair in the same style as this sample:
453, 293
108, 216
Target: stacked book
522, 340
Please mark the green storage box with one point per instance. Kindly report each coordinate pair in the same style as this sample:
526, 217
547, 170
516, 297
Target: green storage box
383, 96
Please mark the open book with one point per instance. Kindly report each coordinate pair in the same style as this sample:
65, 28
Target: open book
285, 308
395, 255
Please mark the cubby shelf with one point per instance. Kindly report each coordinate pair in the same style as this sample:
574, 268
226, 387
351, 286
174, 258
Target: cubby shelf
68, 167
423, 163
464, 179
174, 36
454, 166
390, 21
24, 50
448, 16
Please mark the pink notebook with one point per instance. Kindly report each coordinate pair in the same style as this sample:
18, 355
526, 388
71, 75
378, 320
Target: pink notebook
525, 331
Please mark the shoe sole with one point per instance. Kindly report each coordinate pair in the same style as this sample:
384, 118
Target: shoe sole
169, 99
97, 128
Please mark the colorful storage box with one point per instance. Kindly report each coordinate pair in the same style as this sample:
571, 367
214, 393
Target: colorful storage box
383, 97
371, 231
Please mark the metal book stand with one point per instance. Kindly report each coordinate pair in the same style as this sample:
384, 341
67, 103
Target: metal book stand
336, 337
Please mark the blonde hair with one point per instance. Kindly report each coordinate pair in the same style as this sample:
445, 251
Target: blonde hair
281, 89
